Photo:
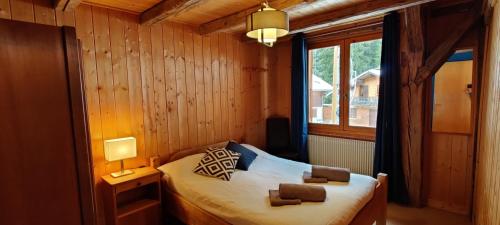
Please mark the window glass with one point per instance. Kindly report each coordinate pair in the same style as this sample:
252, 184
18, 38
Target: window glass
364, 82
324, 85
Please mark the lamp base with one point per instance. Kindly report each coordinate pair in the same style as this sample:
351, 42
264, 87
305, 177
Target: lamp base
122, 173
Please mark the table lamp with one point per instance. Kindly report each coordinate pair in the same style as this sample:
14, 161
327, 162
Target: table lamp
120, 149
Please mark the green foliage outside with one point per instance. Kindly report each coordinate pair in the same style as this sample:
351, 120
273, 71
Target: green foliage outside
365, 56
323, 63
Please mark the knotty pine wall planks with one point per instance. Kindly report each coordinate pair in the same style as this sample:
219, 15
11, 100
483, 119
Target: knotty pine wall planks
163, 84
280, 79
487, 200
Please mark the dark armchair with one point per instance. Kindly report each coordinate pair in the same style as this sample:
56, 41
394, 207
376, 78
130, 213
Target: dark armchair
278, 138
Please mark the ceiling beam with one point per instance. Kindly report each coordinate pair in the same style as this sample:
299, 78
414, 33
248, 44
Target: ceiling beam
166, 9
441, 54
355, 12
238, 18
66, 5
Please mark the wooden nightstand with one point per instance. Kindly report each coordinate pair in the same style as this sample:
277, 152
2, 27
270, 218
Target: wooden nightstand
133, 199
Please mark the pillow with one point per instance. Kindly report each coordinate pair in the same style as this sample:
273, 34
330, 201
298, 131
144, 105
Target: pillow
247, 155
219, 163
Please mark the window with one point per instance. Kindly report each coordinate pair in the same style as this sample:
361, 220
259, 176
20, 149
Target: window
343, 86
324, 88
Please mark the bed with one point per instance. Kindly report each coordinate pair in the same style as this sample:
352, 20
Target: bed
196, 199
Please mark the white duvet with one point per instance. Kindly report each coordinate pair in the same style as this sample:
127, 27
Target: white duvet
244, 200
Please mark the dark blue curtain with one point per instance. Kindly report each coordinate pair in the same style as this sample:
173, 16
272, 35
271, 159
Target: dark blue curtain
388, 140
299, 96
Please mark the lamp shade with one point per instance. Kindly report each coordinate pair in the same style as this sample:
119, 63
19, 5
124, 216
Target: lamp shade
119, 149
267, 25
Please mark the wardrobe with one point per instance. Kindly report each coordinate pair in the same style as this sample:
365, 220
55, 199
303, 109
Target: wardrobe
45, 160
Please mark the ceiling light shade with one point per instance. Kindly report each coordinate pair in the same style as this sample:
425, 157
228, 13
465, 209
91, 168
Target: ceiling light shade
267, 25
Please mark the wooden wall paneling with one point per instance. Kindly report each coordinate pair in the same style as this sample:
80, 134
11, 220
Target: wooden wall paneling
22, 10
263, 84
171, 87
131, 82
439, 182
449, 161
85, 32
66, 18
245, 79
216, 87
200, 89
44, 14
284, 83
251, 77
272, 82
487, 182
230, 87
135, 86
180, 77
207, 74
5, 9
190, 87
238, 109
249, 97
160, 93
257, 89
266, 80
148, 93
223, 86
104, 65
460, 160
119, 67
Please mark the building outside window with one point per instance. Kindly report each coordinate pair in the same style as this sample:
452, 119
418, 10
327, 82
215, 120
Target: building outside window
344, 77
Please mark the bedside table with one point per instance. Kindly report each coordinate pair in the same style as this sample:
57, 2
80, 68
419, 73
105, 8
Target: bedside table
133, 199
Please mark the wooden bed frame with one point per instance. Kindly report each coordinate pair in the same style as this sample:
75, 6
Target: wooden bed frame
374, 211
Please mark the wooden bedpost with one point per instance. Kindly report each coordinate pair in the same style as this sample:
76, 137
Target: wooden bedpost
383, 182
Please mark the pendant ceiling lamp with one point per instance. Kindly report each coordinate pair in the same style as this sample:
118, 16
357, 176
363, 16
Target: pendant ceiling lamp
267, 25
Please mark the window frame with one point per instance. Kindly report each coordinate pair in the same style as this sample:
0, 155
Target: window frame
343, 129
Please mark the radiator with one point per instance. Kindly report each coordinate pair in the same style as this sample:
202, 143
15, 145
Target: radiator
353, 154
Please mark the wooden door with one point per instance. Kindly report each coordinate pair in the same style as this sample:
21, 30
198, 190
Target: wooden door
44, 159
449, 157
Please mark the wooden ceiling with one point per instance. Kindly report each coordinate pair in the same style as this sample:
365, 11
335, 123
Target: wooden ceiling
212, 9
131, 6
317, 7
229, 15
209, 10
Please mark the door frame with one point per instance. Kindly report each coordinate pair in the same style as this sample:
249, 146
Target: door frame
474, 45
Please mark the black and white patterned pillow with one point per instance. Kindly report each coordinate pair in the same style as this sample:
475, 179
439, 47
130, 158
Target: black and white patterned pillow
220, 163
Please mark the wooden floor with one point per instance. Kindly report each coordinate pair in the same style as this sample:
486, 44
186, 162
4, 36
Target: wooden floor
399, 215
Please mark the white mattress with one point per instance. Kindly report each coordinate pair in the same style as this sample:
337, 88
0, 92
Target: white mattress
244, 199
